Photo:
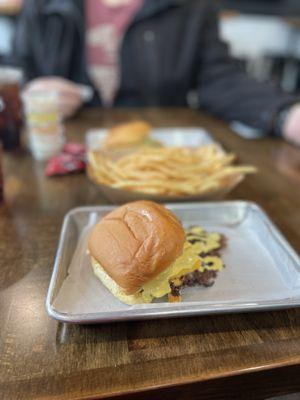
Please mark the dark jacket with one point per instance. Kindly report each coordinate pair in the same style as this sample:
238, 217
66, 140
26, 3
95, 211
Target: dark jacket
170, 53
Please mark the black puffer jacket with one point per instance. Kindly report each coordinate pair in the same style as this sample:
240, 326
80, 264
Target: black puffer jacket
170, 53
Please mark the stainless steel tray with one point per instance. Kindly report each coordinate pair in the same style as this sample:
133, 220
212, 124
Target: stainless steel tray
175, 136
262, 270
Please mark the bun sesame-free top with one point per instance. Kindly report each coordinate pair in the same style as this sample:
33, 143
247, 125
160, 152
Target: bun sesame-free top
136, 242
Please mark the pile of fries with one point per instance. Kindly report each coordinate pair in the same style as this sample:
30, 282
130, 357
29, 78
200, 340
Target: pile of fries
172, 171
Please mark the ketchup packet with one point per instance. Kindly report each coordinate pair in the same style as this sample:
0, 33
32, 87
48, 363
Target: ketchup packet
71, 160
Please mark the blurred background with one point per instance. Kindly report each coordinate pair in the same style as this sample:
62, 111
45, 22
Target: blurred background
263, 34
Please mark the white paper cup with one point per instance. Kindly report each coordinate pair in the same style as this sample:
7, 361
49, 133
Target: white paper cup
10, 75
44, 123
45, 147
40, 155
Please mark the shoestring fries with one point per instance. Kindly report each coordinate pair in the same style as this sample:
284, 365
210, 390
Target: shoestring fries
172, 171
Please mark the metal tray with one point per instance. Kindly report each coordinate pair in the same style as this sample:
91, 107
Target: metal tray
262, 270
177, 136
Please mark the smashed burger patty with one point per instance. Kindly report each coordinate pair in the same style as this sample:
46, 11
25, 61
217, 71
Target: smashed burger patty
207, 246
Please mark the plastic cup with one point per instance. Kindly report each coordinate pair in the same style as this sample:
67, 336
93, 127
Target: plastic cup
45, 131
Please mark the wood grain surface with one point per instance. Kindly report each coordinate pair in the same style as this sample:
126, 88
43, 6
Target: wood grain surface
214, 357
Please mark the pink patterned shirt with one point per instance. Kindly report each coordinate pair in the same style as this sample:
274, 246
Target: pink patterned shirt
106, 25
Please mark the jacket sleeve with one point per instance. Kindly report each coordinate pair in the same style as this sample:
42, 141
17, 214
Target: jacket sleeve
226, 91
22, 49
43, 42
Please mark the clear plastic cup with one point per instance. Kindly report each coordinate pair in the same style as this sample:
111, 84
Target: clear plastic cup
40, 102
45, 130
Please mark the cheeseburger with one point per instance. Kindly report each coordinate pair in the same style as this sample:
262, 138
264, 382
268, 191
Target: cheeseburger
140, 252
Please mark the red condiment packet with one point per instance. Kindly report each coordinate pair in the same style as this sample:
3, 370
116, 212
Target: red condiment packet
71, 160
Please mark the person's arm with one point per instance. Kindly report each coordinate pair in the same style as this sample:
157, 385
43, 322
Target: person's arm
42, 45
44, 51
288, 124
70, 98
227, 92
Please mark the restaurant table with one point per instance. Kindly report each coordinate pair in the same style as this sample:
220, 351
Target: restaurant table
243, 356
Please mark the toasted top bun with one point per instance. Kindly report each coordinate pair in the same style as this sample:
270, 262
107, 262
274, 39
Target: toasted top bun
126, 135
136, 242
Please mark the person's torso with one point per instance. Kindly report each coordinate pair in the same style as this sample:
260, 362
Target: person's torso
159, 55
106, 22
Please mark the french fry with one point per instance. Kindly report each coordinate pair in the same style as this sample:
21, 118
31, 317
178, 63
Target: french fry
169, 171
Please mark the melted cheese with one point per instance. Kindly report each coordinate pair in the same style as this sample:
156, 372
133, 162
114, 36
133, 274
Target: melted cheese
196, 230
206, 241
189, 261
211, 263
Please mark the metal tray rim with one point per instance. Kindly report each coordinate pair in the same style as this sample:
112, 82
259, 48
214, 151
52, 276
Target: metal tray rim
184, 312
188, 309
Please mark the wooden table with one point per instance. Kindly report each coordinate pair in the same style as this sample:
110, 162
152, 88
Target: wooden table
214, 357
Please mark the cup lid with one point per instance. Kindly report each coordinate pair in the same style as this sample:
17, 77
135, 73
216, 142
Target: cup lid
10, 75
